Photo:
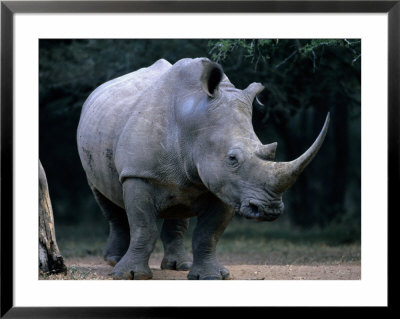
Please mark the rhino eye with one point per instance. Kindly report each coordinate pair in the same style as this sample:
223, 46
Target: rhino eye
233, 158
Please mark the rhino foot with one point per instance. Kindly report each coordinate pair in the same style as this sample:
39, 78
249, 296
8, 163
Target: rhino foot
210, 272
131, 275
112, 260
131, 271
175, 264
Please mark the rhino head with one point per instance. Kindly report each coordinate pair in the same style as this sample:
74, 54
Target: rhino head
228, 157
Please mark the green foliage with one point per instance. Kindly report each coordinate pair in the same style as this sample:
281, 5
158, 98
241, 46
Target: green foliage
315, 44
260, 49
220, 49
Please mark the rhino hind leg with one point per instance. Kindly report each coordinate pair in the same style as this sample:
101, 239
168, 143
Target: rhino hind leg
118, 238
172, 236
211, 223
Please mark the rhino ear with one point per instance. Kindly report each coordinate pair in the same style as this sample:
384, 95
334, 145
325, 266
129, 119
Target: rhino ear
253, 90
211, 77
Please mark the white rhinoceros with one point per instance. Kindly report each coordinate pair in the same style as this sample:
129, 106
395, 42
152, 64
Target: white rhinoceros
173, 142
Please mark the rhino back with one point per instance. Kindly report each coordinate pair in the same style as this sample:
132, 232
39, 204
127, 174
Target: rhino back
103, 118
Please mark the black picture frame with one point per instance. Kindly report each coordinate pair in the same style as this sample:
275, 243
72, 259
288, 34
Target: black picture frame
9, 8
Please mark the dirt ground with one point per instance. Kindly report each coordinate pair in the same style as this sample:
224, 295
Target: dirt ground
94, 268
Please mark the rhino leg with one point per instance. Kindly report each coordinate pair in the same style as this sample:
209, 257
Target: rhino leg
172, 236
141, 214
211, 223
118, 238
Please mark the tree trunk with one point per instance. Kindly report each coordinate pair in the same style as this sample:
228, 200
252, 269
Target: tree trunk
50, 259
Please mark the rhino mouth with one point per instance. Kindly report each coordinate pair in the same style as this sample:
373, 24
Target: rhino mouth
260, 211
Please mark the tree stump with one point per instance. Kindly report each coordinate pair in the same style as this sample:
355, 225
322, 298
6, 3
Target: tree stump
50, 259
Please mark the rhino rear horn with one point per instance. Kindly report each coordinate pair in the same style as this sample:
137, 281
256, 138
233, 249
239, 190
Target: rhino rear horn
267, 152
211, 77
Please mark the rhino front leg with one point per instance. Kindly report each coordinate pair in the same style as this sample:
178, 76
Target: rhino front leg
141, 214
211, 223
172, 236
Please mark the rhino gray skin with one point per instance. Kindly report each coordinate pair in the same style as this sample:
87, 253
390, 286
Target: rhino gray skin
173, 142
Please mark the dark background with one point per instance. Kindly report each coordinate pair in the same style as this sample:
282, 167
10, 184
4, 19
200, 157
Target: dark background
303, 79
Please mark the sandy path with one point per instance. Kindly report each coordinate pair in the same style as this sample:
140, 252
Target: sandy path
94, 268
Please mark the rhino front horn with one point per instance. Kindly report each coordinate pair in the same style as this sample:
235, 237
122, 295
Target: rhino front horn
286, 173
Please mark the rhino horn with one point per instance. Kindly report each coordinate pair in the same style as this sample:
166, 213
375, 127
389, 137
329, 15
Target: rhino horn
285, 173
267, 152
